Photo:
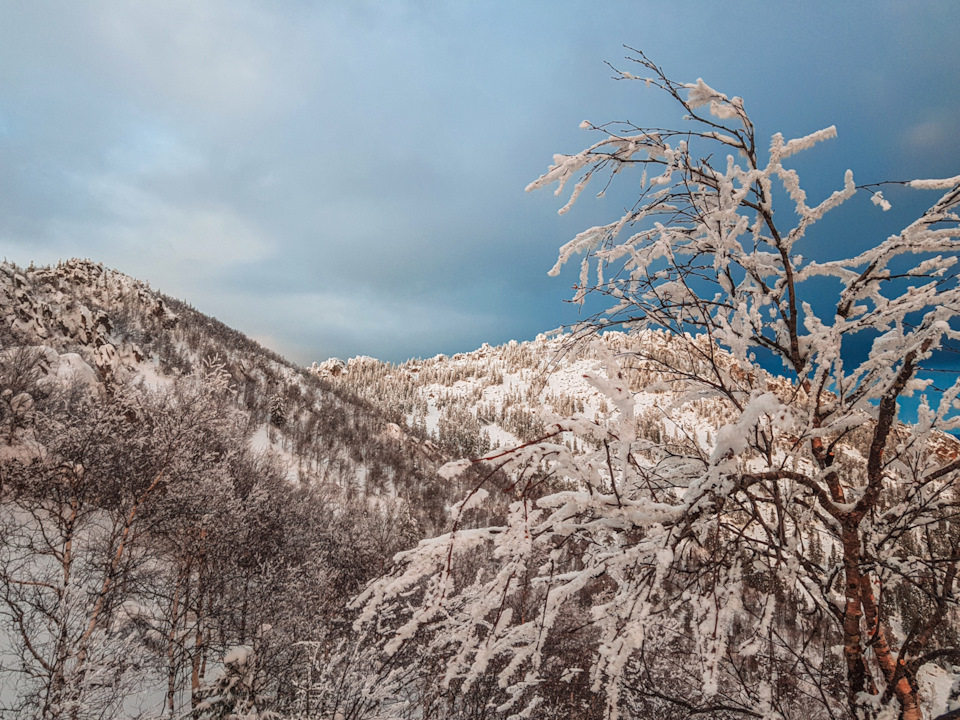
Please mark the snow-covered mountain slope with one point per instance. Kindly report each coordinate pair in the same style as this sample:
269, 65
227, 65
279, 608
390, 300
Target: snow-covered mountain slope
498, 397
108, 329
295, 487
176, 500
483, 403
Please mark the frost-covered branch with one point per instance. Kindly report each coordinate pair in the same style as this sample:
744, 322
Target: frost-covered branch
764, 542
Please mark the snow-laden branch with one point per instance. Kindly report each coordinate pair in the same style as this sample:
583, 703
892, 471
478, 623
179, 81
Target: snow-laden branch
733, 522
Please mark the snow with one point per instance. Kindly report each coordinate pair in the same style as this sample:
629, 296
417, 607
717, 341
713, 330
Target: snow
781, 151
149, 373
942, 689
453, 469
878, 199
936, 184
474, 500
260, 442
238, 655
72, 367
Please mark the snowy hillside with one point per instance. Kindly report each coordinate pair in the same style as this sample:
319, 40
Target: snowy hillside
191, 525
112, 329
602, 443
177, 501
499, 397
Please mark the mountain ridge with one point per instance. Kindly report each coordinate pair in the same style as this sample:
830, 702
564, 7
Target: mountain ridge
300, 487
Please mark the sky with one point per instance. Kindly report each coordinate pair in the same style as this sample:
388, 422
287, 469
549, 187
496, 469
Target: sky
347, 178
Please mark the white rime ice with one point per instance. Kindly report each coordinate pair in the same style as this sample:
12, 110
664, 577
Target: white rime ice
694, 547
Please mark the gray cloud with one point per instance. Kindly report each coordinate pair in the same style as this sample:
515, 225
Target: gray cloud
348, 178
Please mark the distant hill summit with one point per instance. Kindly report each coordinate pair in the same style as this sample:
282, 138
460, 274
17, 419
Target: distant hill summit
113, 329
476, 402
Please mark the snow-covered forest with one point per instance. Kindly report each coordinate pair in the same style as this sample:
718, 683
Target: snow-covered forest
703, 501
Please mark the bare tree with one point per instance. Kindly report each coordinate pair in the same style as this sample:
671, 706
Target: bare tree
75, 514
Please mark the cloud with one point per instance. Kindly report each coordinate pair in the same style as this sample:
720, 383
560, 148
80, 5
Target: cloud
213, 57
152, 151
308, 326
348, 177
143, 234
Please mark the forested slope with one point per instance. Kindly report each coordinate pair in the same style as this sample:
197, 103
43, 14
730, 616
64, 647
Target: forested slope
174, 494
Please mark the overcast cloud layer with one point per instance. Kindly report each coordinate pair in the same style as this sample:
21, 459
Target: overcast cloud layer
347, 178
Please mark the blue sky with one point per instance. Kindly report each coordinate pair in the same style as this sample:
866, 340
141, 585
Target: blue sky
347, 178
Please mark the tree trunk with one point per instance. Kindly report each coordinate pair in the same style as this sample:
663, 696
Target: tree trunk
894, 670
859, 678
172, 645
